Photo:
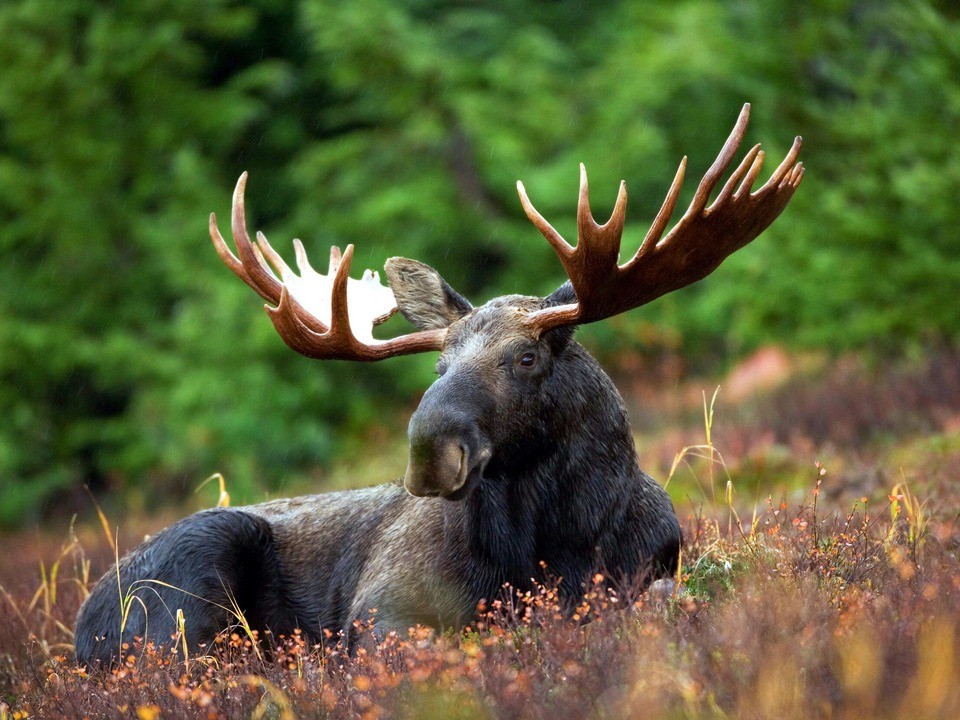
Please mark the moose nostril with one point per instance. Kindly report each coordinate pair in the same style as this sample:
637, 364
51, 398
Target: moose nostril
464, 466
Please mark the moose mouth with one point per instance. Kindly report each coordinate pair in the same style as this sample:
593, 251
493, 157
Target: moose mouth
451, 471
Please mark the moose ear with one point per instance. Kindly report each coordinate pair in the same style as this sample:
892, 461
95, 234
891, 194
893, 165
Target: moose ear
423, 297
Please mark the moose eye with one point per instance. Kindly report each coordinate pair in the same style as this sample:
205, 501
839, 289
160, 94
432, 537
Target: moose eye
527, 359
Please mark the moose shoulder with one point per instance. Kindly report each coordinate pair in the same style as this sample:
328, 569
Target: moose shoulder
521, 455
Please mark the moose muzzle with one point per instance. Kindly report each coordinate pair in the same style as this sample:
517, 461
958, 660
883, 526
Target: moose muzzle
447, 456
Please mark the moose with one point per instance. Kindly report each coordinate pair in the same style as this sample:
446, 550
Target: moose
521, 459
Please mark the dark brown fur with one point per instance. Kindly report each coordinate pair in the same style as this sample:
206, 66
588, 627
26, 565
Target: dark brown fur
511, 466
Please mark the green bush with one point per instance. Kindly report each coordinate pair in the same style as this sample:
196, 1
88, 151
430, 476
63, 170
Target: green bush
130, 358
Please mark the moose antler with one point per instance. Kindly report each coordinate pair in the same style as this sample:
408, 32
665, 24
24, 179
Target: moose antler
695, 247
312, 314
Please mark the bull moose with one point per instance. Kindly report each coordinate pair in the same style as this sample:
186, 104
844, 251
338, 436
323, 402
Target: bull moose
521, 458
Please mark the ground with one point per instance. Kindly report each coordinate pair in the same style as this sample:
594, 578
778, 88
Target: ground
820, 578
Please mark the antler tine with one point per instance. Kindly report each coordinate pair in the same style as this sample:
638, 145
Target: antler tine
787, 165
598, 246
797, 175
560, 246
663, 215
339, 315
713, 174
751, 176
745, 166
229, 259
272, 257
264, 282
303, 262
334, 259
585, 221
591, 236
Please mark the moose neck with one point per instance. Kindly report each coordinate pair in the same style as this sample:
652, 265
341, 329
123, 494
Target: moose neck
550, 496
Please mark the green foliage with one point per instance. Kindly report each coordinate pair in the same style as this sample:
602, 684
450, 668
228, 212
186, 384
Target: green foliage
129, 358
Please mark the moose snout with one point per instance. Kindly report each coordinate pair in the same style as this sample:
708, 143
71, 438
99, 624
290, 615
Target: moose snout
444, 461
436, 468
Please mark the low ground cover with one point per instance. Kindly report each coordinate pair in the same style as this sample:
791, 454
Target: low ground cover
814, 591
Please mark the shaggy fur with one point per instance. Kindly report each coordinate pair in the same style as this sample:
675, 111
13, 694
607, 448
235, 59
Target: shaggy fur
530, 465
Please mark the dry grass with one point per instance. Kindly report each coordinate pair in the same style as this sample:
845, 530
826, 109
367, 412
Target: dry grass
841, 601
845, 412
803, 612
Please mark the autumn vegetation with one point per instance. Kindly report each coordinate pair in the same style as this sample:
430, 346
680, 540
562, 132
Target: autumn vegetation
818, 490
804, 592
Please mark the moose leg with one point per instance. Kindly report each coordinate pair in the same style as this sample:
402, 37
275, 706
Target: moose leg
211, 566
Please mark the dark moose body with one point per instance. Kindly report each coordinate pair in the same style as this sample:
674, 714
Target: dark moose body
522, 465
565, 491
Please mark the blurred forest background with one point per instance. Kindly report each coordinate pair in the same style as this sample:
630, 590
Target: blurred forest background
131, 360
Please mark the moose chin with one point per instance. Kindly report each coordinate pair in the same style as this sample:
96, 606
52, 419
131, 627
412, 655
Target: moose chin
521, 460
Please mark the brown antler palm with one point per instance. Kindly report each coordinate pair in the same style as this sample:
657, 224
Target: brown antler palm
696, 245
312, 312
